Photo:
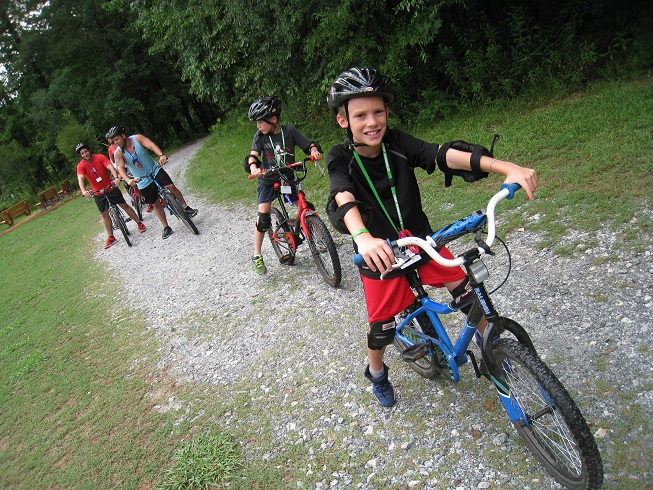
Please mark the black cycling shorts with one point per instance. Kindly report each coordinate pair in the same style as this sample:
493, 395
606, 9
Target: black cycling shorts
151, 192
115, 195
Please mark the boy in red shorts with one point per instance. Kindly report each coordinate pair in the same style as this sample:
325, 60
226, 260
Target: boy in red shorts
374, 195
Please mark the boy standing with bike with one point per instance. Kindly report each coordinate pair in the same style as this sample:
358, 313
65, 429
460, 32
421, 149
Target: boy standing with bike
132, 154
374, 196
95, 168
273, 147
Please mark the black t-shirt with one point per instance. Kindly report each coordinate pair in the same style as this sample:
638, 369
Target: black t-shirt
405, 153
278, 149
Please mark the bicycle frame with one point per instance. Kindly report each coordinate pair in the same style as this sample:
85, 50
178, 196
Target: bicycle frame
283, 191
302, 207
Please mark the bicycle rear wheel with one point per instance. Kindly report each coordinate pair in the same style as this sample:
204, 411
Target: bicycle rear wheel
323, 250
179, 211
119, 221
282, 238
553, 427
430, 365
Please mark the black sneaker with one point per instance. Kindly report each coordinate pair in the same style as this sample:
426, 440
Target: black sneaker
167, 231
190, 211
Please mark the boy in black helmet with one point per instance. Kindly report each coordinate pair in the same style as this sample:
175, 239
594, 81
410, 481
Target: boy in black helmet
374, 195
273, 146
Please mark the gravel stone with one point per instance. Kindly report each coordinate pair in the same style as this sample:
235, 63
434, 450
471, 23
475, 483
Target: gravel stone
293, 348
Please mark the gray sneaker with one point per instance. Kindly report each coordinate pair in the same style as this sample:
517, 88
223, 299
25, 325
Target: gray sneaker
259, 265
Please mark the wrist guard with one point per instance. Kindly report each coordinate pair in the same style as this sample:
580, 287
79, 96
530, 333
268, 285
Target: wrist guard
246, 163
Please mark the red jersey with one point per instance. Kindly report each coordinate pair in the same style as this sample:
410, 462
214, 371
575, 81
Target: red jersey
95, 171
112, 149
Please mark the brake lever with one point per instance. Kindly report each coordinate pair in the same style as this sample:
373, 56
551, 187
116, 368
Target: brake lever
403, 260
481, 243
320, 167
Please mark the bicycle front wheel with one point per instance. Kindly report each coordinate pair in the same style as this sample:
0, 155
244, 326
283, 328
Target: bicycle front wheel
119, 221
179, 211
282, 238
137, 204
553, 427
323, 250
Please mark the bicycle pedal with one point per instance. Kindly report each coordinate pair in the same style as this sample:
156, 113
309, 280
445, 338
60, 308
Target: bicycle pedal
285, 259
417, 351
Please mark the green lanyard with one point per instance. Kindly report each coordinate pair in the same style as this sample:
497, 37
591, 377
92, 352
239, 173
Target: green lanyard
278, 156
392, 188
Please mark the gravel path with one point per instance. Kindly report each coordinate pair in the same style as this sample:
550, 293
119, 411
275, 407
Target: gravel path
279, 342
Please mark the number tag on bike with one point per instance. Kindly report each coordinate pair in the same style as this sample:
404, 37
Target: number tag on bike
286, 189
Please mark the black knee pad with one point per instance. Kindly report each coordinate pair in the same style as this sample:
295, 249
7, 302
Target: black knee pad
462, 288
381, 334
263, 222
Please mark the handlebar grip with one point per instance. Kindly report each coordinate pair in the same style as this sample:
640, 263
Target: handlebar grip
512, 188
358, 259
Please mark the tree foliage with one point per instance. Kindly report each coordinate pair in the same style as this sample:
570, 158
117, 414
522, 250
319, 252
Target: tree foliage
77, 64
437, 52
170, 68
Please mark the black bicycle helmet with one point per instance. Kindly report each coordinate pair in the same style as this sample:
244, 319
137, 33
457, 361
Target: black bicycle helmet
79, 147
264, 108
358, 82
116, 131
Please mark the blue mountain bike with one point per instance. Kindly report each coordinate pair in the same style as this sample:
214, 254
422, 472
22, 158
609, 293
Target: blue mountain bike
540, 408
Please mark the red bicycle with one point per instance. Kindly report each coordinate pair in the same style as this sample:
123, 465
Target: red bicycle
138, 201
287, 233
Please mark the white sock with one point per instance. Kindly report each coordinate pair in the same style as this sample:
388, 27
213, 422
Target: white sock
377, 374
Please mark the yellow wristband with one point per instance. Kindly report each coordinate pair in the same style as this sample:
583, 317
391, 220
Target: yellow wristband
362, 230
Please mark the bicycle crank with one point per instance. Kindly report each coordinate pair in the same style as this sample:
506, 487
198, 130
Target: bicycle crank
417, 351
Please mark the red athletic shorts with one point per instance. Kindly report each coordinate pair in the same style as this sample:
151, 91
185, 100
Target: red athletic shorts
388, 297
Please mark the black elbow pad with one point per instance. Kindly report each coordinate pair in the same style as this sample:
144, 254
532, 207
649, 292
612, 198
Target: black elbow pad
468, 176
337, 213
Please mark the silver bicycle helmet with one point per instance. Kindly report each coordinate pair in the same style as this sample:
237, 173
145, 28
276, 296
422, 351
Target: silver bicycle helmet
116, 131
79, 147
264, 108
358, 82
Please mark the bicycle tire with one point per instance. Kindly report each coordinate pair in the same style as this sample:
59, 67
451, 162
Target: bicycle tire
179, 211
118, 219
282, 238
554, 430
429, 366
138, 206
324, 250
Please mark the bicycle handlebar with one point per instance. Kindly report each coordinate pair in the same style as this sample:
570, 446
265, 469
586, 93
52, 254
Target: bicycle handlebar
309, 158
103, 191
151, 174
459, 228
